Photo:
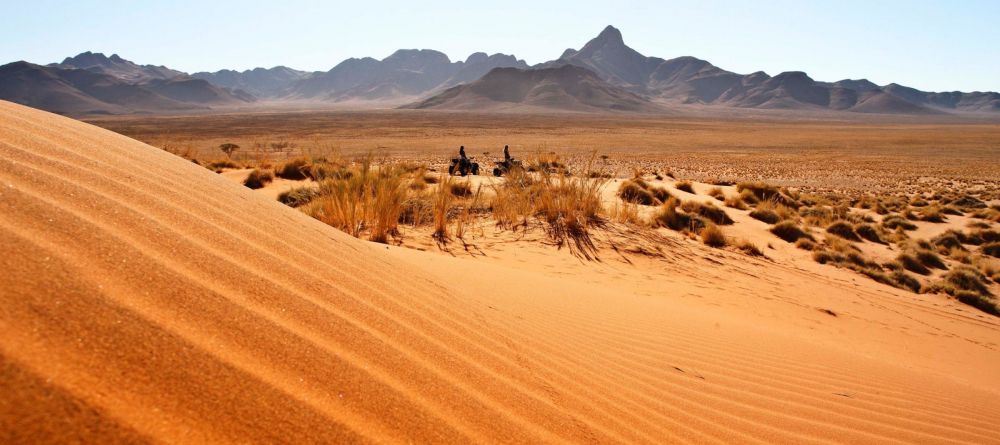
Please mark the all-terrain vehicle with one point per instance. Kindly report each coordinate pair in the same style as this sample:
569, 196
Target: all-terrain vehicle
506, 166
463, 166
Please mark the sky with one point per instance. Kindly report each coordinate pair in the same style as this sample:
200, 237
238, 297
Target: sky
930, 45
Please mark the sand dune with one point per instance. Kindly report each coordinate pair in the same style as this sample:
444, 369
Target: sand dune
145, 298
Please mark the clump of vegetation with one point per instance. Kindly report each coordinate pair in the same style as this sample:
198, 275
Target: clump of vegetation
368, 201
892, 222
461, 189
735, 202
772, 212
789, 231
948, 240
869, 232
992, 249
707, 211
668, 216
805, 244
910, 262
844, 230
969, 286
712, 236
932, 213
749, 248
298, 197
294, 169
717, 193
218, 166
684, 186
258, 178
638, 191
762, 191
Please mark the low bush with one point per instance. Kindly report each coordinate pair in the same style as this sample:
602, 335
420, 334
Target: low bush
712, 236
992, 249
294, 169
707, 211
749, 248
685, 186
844, 230
869, 232
891, 222
258, 179
789, 231
298, 196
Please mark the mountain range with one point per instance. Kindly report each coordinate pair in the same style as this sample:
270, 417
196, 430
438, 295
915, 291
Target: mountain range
605, 75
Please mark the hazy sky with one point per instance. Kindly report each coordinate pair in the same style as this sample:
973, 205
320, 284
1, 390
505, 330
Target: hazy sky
939, 45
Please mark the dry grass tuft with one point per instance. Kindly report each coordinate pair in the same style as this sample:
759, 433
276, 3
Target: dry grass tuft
892, 222
637, 191
294, 169
736, 202
749, 248
789, 231
844, 230
707, 211
258, 179
298, 197
367, 201
717, 193
684, 186
712, 236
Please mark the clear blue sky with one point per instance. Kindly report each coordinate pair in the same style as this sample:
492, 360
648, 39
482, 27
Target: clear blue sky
931, 45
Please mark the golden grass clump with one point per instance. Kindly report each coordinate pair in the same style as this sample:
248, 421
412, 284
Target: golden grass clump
968, 285
789, 231
298, 197
294, 169
717, 193
844, 230
637, 191
707, 211
735, 202
892, 222
368, 201
748, 248
258, 179
684, 186
713, 236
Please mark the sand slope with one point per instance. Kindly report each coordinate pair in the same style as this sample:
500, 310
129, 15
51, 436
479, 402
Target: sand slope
144, 298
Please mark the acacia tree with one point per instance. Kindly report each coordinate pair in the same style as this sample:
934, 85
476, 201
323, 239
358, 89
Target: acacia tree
228, 149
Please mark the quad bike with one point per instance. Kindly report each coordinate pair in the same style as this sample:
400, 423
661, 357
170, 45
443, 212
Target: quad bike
506, 166
463, 166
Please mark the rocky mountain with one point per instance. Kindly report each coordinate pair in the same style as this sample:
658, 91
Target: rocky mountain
115, 88
689, 80
407, 73
260, 82
564, 88
117, 67
93, 82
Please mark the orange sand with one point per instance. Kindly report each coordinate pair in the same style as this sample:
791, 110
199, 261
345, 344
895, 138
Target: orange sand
144, 298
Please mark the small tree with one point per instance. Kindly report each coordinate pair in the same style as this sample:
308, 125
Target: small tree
228, 149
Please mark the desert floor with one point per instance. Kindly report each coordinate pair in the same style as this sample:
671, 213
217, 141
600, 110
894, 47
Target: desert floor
146, 298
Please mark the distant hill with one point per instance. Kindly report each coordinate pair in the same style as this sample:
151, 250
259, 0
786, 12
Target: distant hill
115, 66
109, 88
260, 82
565, 88
405, 74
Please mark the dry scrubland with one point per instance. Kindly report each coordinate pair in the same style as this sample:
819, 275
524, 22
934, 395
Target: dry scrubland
861, 154
852, 192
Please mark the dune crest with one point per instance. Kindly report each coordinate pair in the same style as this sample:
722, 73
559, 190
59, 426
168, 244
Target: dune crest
144, 298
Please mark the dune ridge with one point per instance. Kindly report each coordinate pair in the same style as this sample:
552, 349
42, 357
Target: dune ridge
146, 299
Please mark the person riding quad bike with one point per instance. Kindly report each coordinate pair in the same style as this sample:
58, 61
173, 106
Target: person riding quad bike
463, 165
508, 163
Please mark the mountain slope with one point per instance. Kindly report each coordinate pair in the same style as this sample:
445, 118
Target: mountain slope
406, 74
260, 82
688, 80
115, 66
565, 88
97, 91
